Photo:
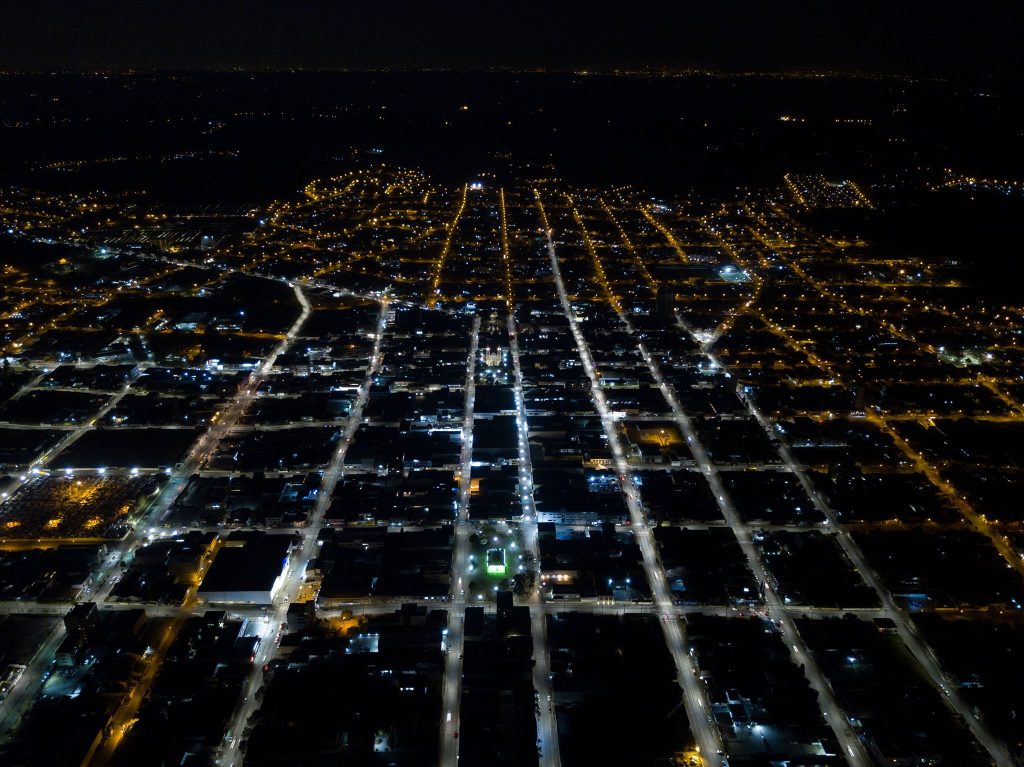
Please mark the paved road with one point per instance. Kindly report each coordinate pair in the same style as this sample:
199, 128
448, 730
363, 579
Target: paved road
854, 750
298, 562
547, 725
907, 631
695, 699
451, 690
31, 681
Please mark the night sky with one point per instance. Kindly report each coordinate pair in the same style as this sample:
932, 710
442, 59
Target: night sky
912, 37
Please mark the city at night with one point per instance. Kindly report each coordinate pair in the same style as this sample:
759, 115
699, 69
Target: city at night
456, 385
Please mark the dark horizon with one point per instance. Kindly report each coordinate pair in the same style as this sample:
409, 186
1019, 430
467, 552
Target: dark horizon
866, 37
650, 71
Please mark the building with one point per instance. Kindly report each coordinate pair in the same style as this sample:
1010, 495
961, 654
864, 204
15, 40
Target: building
251, 574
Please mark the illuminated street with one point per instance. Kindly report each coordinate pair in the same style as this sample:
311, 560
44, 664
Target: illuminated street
697, 706
452, 683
